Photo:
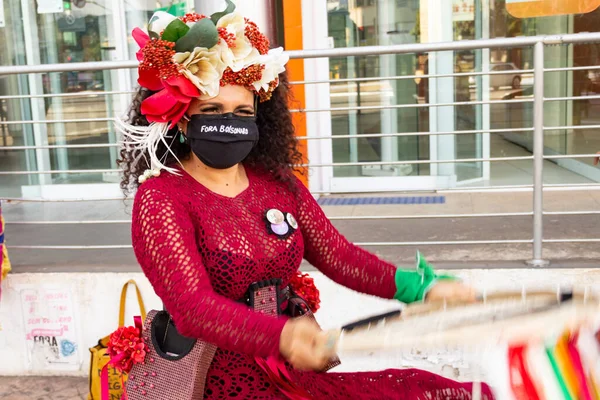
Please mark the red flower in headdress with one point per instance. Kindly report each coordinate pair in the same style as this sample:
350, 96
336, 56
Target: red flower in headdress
164, 107
158, 73
141, 38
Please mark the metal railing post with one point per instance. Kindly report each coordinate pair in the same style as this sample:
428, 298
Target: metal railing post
538, 156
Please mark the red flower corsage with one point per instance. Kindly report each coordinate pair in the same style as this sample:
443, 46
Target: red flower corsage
126, 348
305, 287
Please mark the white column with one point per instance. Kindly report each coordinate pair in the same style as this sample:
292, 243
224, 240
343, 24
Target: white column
556, 83
315, 36
117, 105
386, 11
483, 142
441, 90
40, 132
56, 107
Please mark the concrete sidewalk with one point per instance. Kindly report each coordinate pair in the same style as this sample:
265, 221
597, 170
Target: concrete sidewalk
381, 230
43, 388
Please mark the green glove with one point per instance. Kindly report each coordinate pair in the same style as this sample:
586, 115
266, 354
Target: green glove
412, 286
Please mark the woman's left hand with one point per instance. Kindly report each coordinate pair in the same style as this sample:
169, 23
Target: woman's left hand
451, 291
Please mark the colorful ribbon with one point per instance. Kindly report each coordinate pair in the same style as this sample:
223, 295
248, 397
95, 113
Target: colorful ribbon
520, 380
584, 388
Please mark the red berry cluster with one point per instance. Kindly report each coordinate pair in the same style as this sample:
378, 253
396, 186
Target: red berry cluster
245, 77
266, 96
258, 40
192, 17
305, 287
228, 37
158, 55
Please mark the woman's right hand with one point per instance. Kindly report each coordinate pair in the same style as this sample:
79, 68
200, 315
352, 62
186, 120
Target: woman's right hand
302, 343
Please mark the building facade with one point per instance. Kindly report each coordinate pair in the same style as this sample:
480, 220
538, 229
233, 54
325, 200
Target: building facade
60, 122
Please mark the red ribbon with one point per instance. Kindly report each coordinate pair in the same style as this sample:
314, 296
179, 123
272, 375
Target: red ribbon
585, 393
275, 368
114, 361
520, 380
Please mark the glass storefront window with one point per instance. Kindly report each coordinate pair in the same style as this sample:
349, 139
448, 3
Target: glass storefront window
466, 21
370, 23
386, 22
557, 84
12, 52
83, 31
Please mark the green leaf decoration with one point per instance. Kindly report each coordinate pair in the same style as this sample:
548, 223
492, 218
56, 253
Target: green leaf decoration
218, 15
175, 31
202, 34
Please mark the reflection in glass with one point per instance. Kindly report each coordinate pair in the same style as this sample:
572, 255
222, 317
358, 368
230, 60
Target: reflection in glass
557, 84
12, 52
368, 23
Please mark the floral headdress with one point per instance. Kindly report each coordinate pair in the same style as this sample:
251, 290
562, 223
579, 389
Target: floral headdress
191, 57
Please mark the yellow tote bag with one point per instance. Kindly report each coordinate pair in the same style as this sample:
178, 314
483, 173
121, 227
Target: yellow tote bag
4, 261
100, 357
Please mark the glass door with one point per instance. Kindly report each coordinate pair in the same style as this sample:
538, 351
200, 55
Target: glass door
74, 31
81, 33
379, 114
15, 139
357, 23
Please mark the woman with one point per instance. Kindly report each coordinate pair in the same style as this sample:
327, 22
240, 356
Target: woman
210, 138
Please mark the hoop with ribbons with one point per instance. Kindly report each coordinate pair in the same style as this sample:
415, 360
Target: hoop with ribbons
549, 336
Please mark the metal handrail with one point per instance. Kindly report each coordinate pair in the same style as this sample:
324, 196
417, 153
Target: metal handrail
408, 77
342, 218
524, 41
63, 95
476, 189
363, 244
57, 121
332, 137
346, 164
308, 110
403, 106
317, 82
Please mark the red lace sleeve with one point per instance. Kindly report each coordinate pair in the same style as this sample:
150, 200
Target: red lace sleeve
165, 245
336, 257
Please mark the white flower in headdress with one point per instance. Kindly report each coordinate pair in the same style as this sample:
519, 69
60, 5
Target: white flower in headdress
274, 63
204, 68
242, 54
159, 21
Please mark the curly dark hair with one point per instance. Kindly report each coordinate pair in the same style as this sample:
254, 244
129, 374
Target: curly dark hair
276, 150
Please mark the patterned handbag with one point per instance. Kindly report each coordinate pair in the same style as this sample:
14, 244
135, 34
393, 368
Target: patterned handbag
175, 367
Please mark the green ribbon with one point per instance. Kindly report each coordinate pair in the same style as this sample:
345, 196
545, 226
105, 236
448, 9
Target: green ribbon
411, 285
558, 374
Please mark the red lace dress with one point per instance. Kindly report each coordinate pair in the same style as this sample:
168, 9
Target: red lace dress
201, 251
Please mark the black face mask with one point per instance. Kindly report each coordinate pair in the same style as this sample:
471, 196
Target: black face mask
223, 140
